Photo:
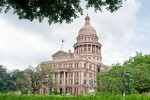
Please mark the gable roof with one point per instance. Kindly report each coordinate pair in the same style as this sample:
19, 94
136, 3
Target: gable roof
59, 53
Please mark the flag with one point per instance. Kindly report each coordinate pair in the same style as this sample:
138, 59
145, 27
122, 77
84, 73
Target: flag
62, 40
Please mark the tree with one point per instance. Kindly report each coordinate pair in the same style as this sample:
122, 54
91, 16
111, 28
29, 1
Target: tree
114, 80
21, 81
7, 83
38, 76
55, 11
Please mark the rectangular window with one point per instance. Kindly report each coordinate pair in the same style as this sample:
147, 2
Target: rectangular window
84, 74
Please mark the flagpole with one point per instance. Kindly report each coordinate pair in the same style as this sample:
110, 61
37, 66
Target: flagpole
62, 45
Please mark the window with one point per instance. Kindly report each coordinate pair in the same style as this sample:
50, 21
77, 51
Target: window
66, 82
89, 49
72, 74
77, 65
84, 65
90, 67
77, 74
94, 51
84, 74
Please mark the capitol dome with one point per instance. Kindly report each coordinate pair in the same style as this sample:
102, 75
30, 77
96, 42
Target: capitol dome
87, 29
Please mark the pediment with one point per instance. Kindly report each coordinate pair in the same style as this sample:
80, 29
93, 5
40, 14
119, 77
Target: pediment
59, 53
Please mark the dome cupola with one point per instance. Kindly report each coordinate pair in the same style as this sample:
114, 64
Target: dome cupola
87, 29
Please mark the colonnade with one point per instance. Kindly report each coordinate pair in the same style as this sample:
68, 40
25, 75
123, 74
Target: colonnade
88, 49
68, 83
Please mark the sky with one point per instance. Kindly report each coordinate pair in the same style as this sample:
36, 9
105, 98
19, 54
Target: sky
122, 33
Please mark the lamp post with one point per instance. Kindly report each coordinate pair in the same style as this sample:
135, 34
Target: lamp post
127, 74
83, 85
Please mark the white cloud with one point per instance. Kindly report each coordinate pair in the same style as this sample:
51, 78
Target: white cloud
19, 47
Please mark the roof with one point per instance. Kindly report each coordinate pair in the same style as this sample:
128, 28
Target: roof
59, 53
87, 29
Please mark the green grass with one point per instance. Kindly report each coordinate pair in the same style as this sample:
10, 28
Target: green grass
52, 97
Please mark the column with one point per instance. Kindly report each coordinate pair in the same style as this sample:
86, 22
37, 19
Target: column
91, 49
58, 77
73, 83
58, 81
79, 79
80, 49
77, 49
98, 50
64, 77
64, 82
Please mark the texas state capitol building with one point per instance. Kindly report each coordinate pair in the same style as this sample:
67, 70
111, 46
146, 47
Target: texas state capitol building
75, 72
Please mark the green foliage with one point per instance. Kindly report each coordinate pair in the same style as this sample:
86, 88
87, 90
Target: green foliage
114, 80
55, 92
55, 11
38, 76
21, 81
52, 97
7, 82
28, 80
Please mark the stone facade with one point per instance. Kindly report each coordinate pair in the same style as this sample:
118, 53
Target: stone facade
75, 72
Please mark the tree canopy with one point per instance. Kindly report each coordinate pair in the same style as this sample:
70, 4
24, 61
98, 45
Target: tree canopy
24, 81
38, 76
114, 80
7, 82
55, 11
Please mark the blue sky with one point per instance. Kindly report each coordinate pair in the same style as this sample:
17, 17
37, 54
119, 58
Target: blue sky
24, 43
